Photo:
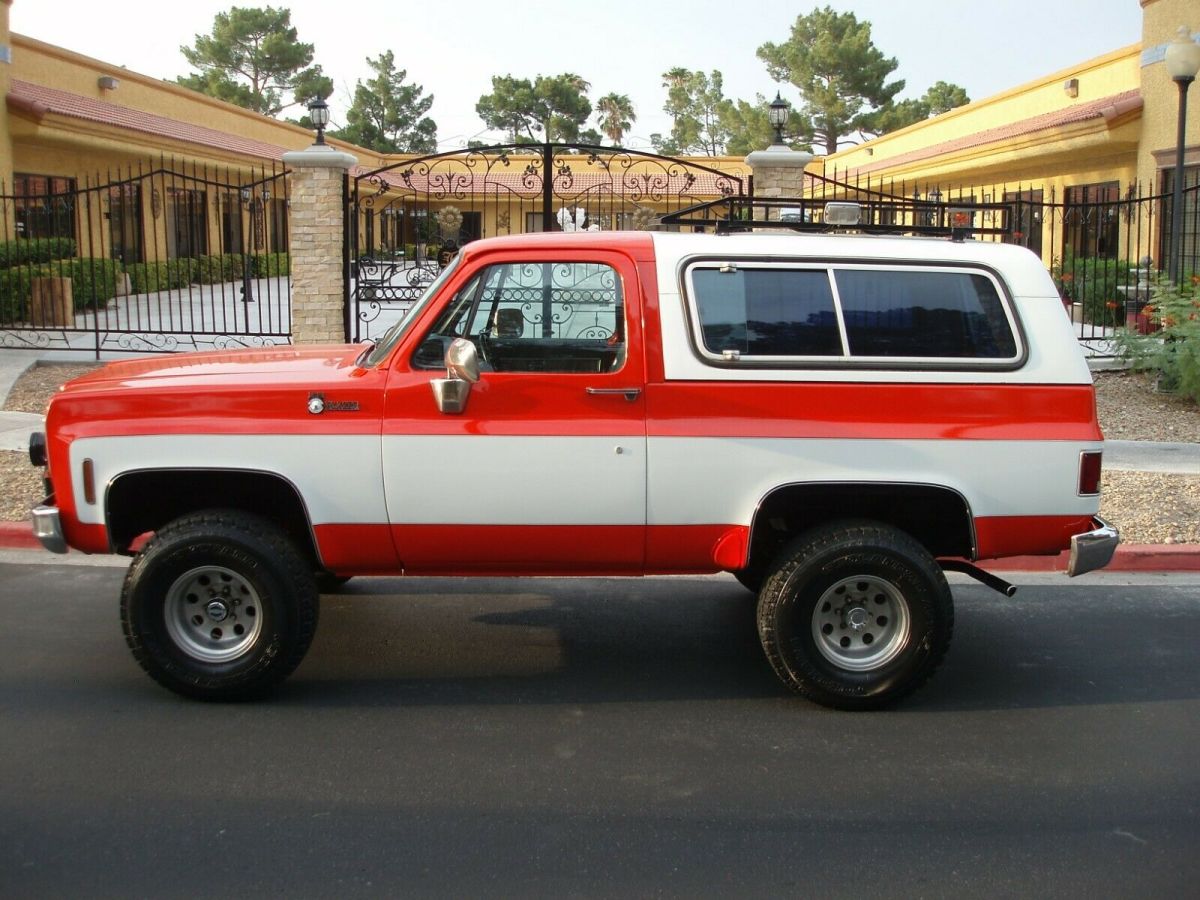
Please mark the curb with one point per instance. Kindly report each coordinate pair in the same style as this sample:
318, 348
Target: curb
18, 536
1128, 558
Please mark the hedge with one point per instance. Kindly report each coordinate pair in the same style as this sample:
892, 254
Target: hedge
165, 275
269, 265
93, 283
24, 252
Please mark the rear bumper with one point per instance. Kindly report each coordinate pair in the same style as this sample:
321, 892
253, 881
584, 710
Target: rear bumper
47, 528
1093, 549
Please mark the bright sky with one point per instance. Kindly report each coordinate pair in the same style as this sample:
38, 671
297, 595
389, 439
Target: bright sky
453, 48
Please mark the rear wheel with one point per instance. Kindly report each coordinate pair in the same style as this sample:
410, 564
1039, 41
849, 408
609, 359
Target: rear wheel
855, 615
219, 605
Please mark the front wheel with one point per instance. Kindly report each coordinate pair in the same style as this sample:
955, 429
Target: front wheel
219, 605
855, 615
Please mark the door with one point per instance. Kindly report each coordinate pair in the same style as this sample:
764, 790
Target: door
544, 472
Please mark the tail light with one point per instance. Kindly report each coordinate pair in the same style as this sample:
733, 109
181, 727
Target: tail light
1089, 473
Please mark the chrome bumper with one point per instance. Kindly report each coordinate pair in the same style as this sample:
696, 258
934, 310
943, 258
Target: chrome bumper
48, 529
1093, 549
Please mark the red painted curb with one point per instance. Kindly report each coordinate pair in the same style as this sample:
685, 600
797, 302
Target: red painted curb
18, 536
1128, 558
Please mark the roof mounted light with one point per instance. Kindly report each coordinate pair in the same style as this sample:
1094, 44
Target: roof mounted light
843, 214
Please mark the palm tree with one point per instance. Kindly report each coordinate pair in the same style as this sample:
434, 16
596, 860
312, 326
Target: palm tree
616, 116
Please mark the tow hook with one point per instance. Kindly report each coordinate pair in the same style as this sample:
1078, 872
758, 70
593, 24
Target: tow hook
996, 584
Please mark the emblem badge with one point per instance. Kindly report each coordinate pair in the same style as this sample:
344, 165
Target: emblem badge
316, 404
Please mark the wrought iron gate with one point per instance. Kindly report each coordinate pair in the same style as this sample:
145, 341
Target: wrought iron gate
404, 221
160, 258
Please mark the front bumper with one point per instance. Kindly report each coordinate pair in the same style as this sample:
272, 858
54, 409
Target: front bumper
47, 528
1093, 549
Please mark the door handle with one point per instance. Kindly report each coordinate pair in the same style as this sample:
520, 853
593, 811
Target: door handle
630, 393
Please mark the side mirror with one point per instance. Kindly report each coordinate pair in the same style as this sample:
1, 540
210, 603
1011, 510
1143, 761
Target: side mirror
462, 371
462, 360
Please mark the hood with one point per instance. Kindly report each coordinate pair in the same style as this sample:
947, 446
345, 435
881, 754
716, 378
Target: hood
276, 365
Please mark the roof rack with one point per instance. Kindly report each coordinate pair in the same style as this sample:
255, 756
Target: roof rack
956, 221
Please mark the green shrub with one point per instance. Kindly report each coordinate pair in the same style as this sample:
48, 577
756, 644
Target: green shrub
217, 269
270, 265
93, 281
163, 275
1173, 352
15, 291
1095, 284
24, 252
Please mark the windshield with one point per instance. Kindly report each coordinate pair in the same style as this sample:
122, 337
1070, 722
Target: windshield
392, 336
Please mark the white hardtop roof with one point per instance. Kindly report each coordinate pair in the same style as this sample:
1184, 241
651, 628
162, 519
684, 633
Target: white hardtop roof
1020, 269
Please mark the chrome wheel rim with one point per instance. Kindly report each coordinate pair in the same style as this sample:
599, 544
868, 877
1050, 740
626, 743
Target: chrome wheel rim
213, 614
861, 623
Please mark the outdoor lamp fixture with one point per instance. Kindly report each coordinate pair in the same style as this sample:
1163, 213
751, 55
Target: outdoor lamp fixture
1183, 62
318, 111
777, 115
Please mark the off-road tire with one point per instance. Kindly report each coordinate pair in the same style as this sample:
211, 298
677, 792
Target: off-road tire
219, 605
855, 615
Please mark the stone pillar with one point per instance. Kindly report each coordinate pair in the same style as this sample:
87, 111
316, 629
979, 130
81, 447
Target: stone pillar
315, 239
778, 172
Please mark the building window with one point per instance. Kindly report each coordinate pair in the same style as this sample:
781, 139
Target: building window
1090, 220
231, 222
187, 223
1189, 248
125, 231
1026, 219
279, 226
45, 206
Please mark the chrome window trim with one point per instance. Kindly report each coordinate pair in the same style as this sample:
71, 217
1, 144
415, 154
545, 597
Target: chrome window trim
691, 316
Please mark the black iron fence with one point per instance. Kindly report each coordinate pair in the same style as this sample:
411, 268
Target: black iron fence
154, 258
404, 221
1104, 245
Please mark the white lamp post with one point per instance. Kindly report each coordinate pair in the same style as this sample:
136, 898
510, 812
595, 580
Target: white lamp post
1183, 62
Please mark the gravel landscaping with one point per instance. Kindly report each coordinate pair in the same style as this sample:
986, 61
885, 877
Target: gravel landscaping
1148, 507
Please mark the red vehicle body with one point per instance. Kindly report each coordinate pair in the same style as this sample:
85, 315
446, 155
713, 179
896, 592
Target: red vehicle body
785, 408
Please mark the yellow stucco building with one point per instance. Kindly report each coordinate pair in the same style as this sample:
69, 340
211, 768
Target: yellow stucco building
1076, 152
156, 172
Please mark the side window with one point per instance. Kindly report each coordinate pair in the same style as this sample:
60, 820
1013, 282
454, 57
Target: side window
766, 312
535, 317
776, 314
926, 314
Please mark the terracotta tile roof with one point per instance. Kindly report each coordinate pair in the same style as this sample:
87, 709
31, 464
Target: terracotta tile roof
39, 100
1104, 108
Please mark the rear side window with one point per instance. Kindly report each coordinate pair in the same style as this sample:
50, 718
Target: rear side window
777, 314
927, 314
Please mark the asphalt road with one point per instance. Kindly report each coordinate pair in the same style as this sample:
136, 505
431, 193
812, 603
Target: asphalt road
603, 738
